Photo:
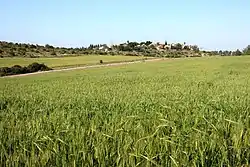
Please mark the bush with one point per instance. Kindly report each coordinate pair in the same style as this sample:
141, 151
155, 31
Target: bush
17, 69
34, 67
4, 71
131, 54
238, 52
86, 52
53, 53
103, 53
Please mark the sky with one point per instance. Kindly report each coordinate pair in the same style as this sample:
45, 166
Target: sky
211, 24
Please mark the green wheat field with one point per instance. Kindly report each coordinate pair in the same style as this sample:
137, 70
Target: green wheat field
60, 62
177, 112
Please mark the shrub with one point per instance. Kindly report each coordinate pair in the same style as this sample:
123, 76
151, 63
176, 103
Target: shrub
12, 54
101, 53
86, 52
178, 46
34, 67
131, 54
238, 52
53, 53
4, 71
17, 69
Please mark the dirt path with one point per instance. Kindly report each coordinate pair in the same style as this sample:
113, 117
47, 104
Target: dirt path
86, 67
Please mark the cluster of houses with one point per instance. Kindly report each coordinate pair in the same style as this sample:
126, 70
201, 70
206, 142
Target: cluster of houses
158, 46
174, 46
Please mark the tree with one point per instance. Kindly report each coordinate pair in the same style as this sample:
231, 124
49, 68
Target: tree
49, 46
186, 47
166, 43
238, 52
26, 46
132, 44
148, 43
214, 52
225, 53
195, 48
178, 46
91, 46
32, 46
246, 51
142, 43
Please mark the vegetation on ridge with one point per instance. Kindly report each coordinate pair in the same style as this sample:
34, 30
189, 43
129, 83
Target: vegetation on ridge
148, 48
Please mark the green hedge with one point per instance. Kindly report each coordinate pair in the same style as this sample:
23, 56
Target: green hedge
17, 69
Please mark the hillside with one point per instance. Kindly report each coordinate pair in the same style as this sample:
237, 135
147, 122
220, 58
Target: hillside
148, 48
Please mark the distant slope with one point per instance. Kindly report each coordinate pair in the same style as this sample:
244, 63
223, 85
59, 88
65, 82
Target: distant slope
10, 49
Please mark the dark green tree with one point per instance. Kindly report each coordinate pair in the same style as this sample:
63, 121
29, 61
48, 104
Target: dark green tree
246, 51
49, 46
195, 48
178, 46
148, 43
238, 52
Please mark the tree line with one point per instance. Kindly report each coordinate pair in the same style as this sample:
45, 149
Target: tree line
147, 48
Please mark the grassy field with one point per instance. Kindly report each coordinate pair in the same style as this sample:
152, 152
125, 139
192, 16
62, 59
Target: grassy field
181, 112
64, 61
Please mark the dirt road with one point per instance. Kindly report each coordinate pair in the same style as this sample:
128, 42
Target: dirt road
85, 67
